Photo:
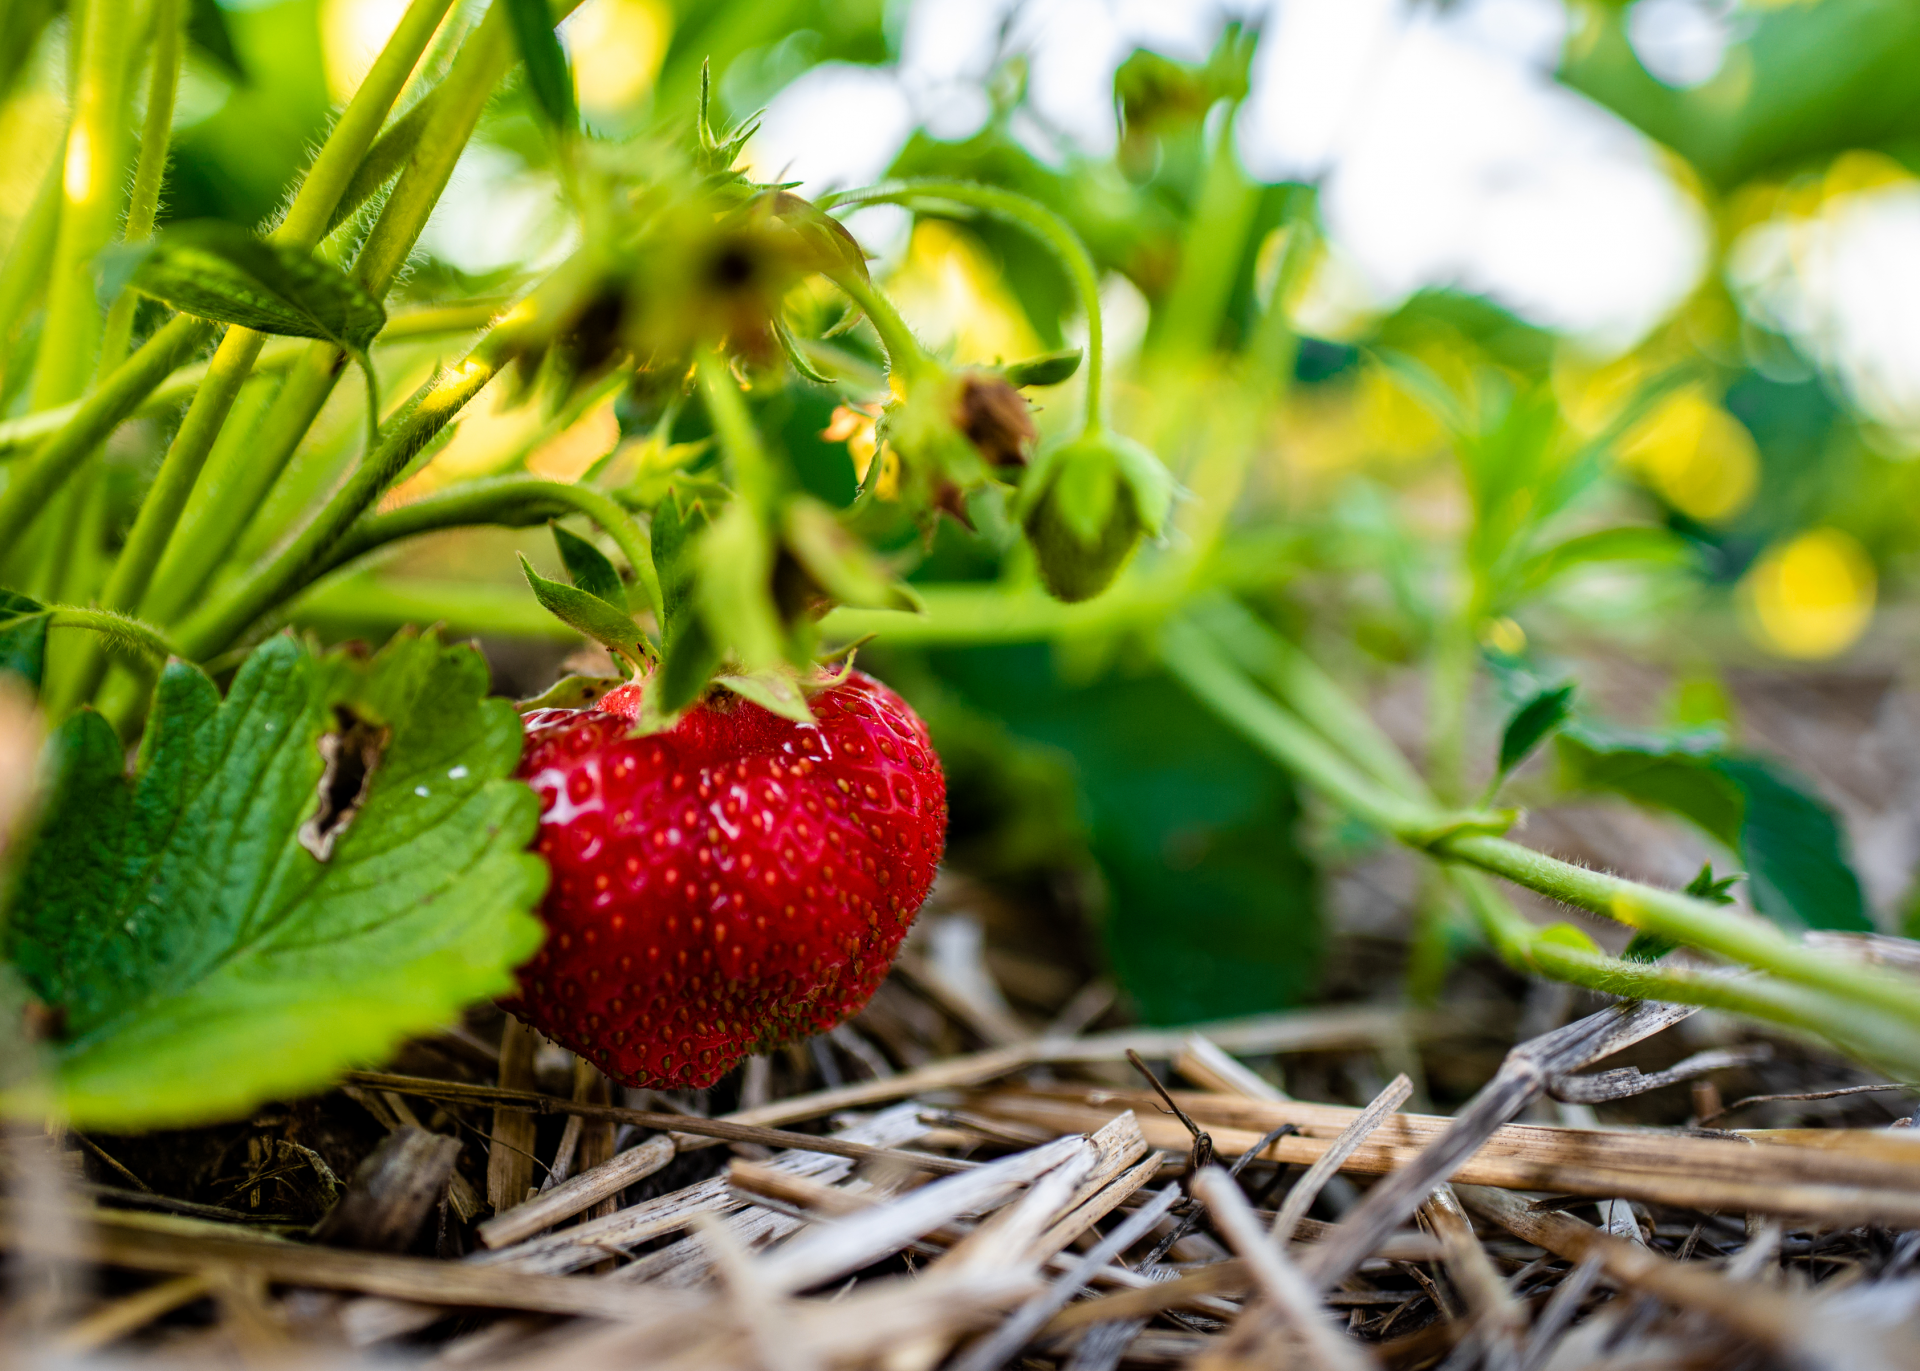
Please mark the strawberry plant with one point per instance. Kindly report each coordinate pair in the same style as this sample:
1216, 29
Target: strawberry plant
713, 840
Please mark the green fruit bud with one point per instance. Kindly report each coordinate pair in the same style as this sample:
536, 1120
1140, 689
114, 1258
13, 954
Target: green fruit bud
1085, 507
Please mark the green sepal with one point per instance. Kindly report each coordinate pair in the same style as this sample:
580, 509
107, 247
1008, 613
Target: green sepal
571, 692
734, 588
774, 690
687, 664
590, 568
839, 563
1048, 369
23, 636
590, 615
222, 272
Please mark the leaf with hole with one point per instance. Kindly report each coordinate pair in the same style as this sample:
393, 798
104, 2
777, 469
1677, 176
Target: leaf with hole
195, 957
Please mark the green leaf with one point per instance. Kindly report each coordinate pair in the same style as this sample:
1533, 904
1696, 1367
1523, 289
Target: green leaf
1626, 544
1788, 838
1048, 369
1651, 947
23, 636
222, 272
547, 74
1674, 772
839, 563
688, 663
677, 523
613, 629
1531, 724
195, 952
1794, 850
589, 567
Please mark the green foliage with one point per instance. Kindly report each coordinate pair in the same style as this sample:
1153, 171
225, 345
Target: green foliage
589, 567
607, 624
1531, 725
1048, 369
195, 953
1213, 908
548, 75
23, 636
222, 272
1789, 839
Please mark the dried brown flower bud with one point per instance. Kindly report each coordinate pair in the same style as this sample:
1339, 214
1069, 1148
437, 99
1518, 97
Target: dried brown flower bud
995, 418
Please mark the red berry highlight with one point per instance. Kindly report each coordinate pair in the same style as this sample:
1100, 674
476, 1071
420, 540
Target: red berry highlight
733, 883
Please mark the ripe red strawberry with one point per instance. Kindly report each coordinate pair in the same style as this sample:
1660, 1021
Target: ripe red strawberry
727, 885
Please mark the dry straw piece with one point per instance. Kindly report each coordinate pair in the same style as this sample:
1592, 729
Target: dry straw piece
992, 1210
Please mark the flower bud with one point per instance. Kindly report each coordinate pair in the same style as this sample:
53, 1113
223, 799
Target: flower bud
1085, 507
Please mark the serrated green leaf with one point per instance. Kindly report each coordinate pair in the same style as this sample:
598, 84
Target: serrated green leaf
1531, 724
1048, 369
222, 272
590, 569
23, 636
588, 614
548, 76
1715, 890
200, 959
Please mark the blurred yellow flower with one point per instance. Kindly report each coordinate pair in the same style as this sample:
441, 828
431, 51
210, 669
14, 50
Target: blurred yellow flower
1812, 596
855, 426
1699, 458
953, 296
1504, 636
616, 47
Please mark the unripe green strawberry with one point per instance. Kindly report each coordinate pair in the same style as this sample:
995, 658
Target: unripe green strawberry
726, 885
1085, 507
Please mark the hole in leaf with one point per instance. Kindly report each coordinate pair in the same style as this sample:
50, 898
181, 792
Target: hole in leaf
352, 754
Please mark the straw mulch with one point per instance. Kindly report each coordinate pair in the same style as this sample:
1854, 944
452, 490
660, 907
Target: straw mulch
944, 1183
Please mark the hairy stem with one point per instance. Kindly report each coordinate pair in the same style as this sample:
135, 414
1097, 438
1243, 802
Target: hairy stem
1052, 231
450, 115
904, 353
1276, 730
512, 501
216, 626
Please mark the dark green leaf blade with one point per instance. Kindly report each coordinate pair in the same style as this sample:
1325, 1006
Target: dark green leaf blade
548, 76
1532, 723
222, 272
1048, 369
1674, 772
1794, 850
23, 636
590, 569
589, 614
200, 958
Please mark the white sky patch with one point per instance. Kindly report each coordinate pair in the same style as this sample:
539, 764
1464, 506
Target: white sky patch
1845, 284
1450, 157
1683, 42
837, 125
497, 213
